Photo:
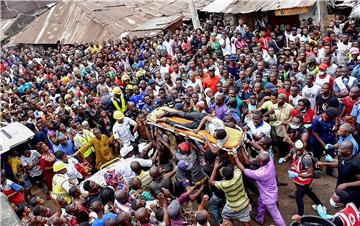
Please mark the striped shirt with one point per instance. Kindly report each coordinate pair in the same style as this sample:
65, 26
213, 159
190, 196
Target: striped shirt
146, 179
236, 197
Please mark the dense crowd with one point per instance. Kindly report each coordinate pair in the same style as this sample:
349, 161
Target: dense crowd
292, 91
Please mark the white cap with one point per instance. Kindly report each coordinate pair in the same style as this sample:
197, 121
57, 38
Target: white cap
299, 144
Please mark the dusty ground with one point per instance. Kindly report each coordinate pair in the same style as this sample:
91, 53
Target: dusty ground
323, 188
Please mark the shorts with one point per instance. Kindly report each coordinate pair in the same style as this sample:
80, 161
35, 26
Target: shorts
241, 215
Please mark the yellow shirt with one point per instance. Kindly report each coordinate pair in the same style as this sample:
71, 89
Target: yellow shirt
103, 153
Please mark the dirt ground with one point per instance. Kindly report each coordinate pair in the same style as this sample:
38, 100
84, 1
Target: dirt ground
323, 188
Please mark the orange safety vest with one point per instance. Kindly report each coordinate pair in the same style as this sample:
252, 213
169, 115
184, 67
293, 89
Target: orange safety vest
296, 166
350, 216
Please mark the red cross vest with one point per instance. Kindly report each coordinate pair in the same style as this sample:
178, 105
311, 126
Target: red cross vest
350, 216
296, 166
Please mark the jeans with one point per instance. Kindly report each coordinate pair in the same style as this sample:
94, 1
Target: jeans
216, 204
273, 211
301, 191
196, 118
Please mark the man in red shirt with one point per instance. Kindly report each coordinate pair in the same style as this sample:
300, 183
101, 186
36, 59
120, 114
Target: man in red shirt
349, 101
286, 90
211, 80
264, 41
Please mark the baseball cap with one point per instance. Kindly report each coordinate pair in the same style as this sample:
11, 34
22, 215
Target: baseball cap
312, 59
184, 146
354, 50
332, 112
211, 68
323, 67
184, 165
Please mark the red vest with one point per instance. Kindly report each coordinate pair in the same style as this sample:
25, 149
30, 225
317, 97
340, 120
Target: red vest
350, 216
296, 166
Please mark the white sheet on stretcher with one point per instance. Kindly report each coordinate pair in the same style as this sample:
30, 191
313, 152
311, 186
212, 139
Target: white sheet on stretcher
122, 167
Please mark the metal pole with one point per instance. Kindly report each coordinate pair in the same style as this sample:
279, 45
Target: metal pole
194, 15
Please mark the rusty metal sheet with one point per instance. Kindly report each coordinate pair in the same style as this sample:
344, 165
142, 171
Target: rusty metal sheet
79, 22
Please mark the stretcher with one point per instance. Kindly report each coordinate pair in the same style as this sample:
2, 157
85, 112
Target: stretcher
233, 142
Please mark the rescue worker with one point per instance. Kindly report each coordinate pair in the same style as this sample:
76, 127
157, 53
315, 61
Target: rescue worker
117, 101
348, 214
60, 182
301, 173
81, 138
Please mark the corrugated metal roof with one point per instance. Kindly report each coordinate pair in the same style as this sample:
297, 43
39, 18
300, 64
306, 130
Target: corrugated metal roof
158, 23
246, 6
80, 22
10, 9
282, 4
218, 6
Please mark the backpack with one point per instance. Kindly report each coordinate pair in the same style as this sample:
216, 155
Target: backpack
317, 170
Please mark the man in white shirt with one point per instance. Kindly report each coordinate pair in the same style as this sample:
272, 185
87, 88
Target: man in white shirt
257, 126
167, 44
294, 96
193, 82
311, 90
121, 128
343, 48
30, 160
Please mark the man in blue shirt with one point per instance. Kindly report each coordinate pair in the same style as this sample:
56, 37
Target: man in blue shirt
98, 208
24, 85
323, 134
344, 133
138, 97
66, 145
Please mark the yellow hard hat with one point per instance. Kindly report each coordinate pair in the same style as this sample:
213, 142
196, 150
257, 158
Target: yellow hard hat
129, 87
117, 90
67, 96
118, 115
59, 165
125, 77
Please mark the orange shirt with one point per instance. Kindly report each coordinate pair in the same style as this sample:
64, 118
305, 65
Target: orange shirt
211, 83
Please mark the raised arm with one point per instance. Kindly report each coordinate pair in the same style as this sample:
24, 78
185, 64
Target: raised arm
202, 123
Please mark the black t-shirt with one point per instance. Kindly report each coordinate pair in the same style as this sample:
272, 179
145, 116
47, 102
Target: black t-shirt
348, 169
323, 104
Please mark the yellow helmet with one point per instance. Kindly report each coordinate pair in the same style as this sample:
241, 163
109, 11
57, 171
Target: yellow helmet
59, 165
117, 90
118, 115
67, 96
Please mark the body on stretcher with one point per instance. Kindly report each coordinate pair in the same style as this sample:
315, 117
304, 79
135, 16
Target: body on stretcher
121, 167
234, 140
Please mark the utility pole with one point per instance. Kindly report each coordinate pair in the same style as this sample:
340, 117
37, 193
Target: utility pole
194, 15
323, 13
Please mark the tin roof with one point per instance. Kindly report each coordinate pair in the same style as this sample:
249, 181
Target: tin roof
246, 6
10, 9
85, 21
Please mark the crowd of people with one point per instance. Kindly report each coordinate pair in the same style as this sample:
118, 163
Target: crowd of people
293, 92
